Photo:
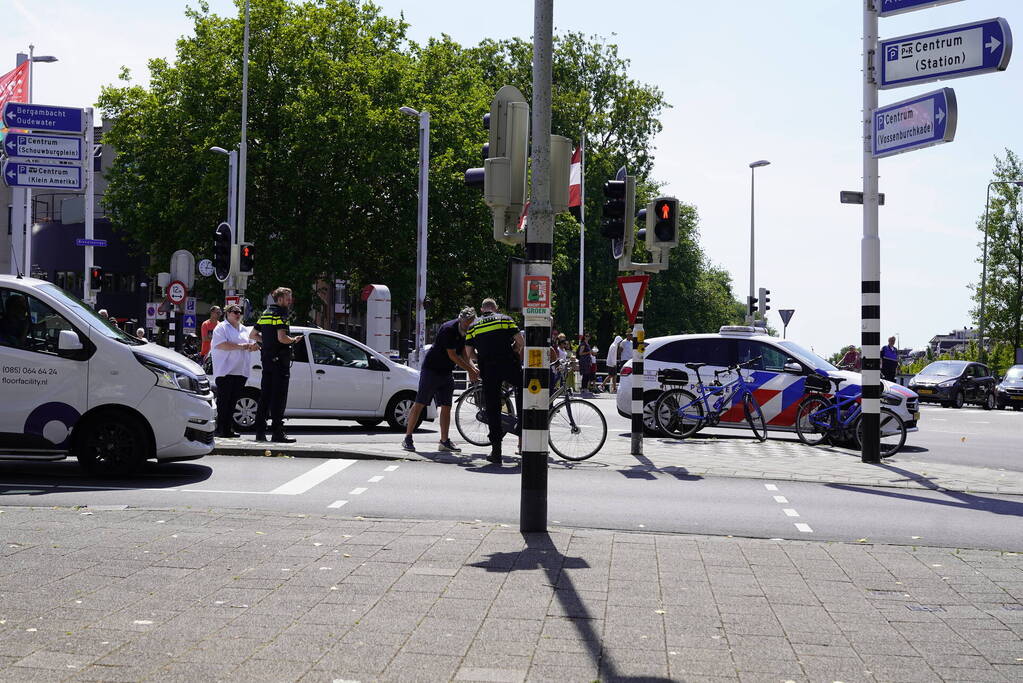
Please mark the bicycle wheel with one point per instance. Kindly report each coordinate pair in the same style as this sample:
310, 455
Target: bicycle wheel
893, 433
813, 421
469, 408
754, 417
666, 413
577, 429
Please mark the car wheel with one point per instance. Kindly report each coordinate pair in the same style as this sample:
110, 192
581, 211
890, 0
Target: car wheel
244, 414
370, 423
112, 443
649, 419
398, 410
989, 402
958, 400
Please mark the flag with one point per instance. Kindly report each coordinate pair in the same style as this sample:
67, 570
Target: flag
575, 183
523, 218
14, 87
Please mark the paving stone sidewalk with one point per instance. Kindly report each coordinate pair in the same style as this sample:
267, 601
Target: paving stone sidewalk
231, 595
782, 458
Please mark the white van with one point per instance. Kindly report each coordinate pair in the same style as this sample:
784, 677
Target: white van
73, 384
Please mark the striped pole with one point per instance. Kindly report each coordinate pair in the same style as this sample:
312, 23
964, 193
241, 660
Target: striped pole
536, 373
870, 256
637, 382
171, 324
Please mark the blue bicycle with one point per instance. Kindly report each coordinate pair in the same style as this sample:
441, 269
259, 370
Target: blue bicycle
678, 412
823, 414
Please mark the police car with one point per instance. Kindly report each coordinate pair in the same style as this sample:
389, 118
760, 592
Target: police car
777, 378
334, 376
73, 384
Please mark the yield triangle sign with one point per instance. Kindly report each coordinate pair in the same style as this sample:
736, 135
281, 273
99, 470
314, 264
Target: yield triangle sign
632, 289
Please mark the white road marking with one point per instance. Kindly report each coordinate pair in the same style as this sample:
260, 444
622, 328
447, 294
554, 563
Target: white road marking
316, 475
390, 468
790, 512
977, 422
358, 491
771, 487
337, 503
781, 499
805, 528
373, 480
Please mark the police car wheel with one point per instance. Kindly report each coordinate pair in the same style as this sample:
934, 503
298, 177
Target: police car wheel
111, 444
398, 410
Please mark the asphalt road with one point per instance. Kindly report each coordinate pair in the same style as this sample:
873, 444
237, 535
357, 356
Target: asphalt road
583, 496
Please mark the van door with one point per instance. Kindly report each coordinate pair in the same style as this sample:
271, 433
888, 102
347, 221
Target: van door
42, 390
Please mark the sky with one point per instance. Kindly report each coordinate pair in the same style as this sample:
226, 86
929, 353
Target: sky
746, 80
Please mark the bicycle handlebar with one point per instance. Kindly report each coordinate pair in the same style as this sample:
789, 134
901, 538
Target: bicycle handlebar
733, 368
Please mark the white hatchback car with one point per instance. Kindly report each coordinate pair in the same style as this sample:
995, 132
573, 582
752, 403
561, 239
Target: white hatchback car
779, 391
334, 376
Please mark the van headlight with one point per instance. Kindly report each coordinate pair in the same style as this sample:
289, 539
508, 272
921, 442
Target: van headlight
170, 377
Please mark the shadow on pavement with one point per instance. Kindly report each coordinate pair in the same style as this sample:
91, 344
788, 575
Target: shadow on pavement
41, 478
960, 499
646, 469
542, 553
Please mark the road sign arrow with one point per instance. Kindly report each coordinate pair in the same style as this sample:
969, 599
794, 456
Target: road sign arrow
10, 146
11, 174
992, 44
940, 116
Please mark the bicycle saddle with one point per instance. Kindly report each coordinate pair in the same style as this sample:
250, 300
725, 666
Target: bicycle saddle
836, 381
695, 366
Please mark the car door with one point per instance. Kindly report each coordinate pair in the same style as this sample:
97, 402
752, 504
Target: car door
968, 383
343, 379
300, 388
43, 391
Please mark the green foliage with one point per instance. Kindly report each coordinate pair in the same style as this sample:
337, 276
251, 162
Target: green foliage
333, 166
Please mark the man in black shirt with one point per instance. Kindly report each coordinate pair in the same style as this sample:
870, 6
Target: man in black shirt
436, 381
271, 331
497, 343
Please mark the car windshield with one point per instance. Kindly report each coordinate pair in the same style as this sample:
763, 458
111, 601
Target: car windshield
808, 357
944, 368
89, 316
1015, 372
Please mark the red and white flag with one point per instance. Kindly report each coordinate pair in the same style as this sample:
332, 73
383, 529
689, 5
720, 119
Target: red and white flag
523, 218
14, 85
575, 182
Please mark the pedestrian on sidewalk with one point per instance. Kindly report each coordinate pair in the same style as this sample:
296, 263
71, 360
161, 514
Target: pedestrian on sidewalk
496, 345
230, 348
612, 364
889, 360
436, 381
586, 363
272, 332
206, 330
624, 351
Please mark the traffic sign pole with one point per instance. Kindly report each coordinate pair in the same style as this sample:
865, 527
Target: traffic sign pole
638, 377
89, 189
870, 255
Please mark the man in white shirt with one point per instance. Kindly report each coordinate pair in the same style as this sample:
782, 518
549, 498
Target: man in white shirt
625, 350
230, 347
612, 363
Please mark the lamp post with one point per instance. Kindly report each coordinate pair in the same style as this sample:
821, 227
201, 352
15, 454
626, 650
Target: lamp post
33, 59
983, 272
752, 182
421, 232
232, 182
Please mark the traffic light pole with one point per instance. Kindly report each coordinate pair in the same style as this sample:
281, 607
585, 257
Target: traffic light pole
536, 374
90, 190
870, 256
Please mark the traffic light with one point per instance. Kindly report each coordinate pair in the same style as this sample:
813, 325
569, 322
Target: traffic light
764, 299
612, 224
95, 278
246, 258
641, 220
751, 306
223, 240
662, 223
475, 177
504, 186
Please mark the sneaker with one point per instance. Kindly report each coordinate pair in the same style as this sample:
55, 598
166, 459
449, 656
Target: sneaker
446, 445
494, 458
407, 444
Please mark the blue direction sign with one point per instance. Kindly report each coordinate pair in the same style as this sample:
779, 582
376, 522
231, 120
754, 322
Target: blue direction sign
31, 146
21, 174
887, 8
914, 123
954, 52
83, 242
44, 117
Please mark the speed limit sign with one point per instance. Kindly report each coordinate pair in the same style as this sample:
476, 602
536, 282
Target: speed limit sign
177, 292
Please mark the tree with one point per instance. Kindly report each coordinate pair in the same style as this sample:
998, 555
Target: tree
1004, 283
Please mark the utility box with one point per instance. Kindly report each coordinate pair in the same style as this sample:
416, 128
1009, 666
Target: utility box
378, 317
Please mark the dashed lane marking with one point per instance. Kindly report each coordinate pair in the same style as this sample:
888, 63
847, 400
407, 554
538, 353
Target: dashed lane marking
805, 528
373, 480
790, 512
358, 491
781, 499
771, 487
316, 475
390, 468
337, 503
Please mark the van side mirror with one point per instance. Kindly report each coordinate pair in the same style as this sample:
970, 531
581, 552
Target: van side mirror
69, 341
793, 367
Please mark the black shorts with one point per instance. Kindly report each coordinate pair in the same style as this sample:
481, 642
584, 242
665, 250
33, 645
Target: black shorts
435, 385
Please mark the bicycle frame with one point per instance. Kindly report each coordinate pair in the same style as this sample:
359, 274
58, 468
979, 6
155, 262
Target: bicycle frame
726, 394
846, 418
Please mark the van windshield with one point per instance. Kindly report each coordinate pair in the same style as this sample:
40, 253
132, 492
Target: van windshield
90, 317
808, 357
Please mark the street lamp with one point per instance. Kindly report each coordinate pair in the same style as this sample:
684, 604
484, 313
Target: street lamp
983, 272
232, 183
32, 59
421, 233
752, 178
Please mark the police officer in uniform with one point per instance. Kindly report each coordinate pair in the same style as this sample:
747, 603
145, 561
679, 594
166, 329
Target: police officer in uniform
497, 345
272, 331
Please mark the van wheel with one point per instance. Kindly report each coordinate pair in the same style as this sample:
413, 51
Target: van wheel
244, 413
398, 410
112, 444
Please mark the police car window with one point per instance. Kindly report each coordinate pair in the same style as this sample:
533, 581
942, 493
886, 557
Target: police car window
770, 358
28, 323
672, 352
712, 350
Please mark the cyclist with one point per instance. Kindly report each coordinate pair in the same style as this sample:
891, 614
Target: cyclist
496, 345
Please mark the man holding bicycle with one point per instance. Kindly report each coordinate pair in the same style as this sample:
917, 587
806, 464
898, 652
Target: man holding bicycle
496, 345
